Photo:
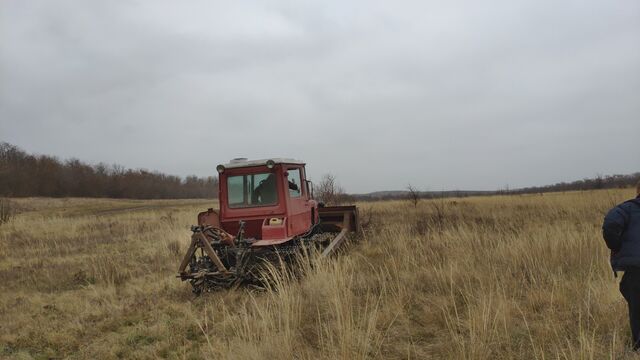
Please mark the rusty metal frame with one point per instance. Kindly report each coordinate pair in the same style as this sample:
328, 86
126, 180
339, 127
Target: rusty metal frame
200, 239
188, 255
212, 254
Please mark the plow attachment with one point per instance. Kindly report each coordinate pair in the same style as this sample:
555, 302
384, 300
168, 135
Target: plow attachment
217, 260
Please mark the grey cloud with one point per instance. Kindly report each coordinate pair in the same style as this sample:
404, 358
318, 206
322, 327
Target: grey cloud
460, 94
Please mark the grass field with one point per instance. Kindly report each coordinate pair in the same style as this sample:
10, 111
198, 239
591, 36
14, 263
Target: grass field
477, 278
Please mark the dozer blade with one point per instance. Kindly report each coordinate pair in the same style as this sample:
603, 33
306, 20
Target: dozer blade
332, 217
338, 218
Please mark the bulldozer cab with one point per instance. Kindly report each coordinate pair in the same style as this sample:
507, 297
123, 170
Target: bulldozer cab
271, 197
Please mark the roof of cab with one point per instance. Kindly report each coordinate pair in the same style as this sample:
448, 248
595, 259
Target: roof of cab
243, 162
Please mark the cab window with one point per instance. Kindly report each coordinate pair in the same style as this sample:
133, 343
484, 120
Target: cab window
252, 190
295, 183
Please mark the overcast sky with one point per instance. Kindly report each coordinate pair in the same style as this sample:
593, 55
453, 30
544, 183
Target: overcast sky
439, 94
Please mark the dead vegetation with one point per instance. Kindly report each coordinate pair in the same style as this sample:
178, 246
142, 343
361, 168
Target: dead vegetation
6, 210
329, 192
476, 278
413, 195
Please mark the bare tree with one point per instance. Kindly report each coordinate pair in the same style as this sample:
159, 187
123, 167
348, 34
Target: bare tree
413, 195
329, 191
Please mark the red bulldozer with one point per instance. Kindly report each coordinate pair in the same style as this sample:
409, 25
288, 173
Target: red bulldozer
267, 214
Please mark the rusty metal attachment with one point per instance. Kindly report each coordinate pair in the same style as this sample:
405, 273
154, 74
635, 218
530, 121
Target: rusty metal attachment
216, 259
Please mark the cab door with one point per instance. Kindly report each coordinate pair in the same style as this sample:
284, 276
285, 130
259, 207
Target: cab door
299, 207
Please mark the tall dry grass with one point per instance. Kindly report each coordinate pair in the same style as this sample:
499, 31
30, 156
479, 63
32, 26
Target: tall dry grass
476, 278
6, 210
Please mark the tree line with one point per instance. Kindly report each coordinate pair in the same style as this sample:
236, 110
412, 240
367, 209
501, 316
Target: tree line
617, 181
23, 174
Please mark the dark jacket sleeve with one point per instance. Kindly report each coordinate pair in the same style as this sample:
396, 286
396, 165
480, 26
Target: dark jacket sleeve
615, 224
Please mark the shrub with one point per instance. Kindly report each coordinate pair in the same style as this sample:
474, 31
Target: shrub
413, 195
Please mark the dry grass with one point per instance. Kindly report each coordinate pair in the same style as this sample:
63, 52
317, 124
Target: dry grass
6, 212
477, 278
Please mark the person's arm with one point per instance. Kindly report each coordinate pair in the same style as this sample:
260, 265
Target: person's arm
615, 224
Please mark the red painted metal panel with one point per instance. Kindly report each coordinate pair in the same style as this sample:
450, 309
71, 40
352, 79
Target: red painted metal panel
252, 228
274, 232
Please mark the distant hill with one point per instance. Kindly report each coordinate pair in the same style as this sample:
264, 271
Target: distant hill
599, 182
402, 194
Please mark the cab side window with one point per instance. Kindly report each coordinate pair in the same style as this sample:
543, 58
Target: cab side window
295, 184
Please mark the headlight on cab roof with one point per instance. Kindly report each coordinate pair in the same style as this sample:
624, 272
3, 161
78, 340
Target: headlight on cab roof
220, 169
271, 164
